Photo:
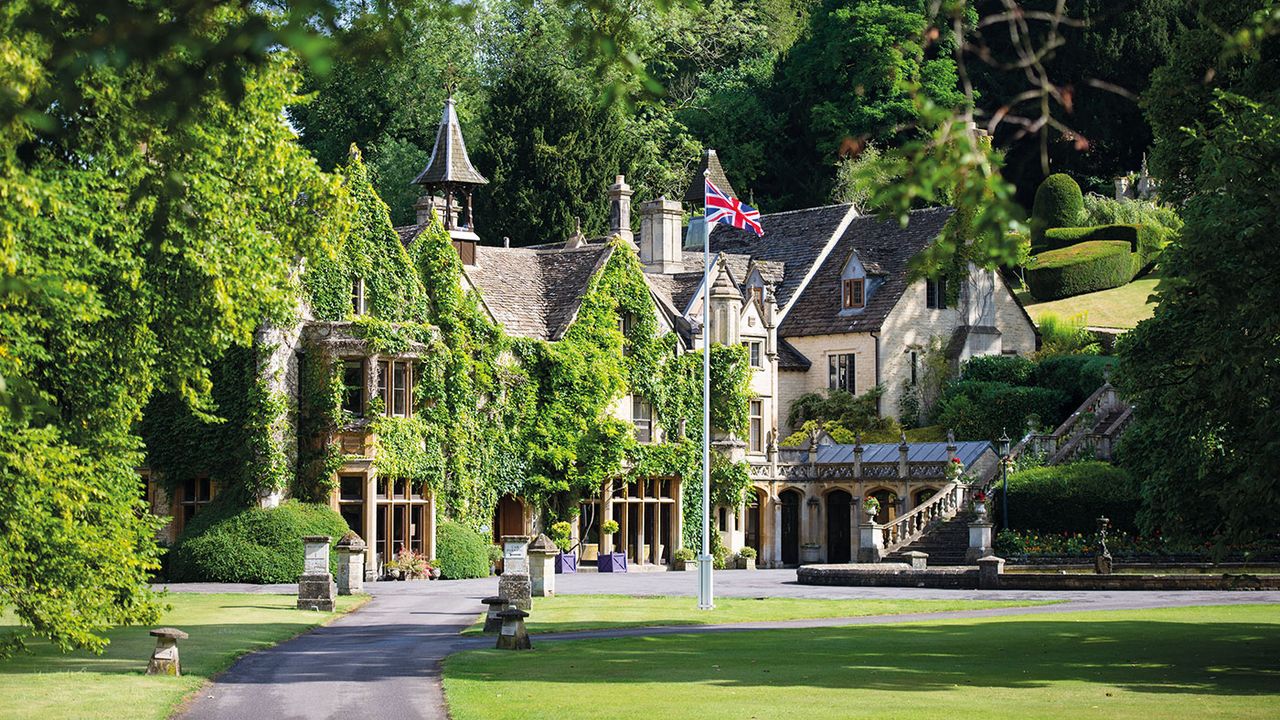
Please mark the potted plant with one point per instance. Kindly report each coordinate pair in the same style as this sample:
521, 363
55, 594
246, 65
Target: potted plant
980, 505
684, 559
954, 470
615, 562
391, 570
871, 506
562, 536
412, 565
747, 558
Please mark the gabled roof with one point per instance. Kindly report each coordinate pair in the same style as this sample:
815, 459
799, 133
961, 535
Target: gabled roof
789, 358
797, 239
882, 245
710, 162
535, 293
449, 162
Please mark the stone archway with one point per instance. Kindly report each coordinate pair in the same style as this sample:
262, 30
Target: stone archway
888, 504
922, 495
753, 522
839, 526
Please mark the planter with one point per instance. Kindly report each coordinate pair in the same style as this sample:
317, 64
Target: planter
686, 565
746, 563
435, 573
566, 564
590, 551
612, 562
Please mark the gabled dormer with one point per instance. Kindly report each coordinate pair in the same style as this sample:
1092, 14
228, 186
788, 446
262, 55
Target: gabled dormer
854, 285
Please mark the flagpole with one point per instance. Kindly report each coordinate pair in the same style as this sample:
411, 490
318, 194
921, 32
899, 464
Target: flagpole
705, 598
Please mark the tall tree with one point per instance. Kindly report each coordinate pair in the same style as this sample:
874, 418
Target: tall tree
1204, 371
155, 204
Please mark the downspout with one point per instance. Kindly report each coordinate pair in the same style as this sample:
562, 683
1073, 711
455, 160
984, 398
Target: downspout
876, 335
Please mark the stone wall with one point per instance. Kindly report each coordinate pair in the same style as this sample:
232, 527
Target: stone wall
818, 348
901, 575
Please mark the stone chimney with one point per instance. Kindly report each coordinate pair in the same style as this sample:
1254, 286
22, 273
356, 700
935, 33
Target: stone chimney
660, 241
620, 210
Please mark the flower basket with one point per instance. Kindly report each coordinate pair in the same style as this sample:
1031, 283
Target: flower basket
566, 563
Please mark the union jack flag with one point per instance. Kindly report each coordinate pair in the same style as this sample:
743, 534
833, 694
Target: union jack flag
723, 208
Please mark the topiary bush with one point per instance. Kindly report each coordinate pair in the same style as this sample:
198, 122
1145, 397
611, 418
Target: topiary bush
1082, 268
1070, 498
228, 543
1063, 237
1058, 203
1012, 369
461, 552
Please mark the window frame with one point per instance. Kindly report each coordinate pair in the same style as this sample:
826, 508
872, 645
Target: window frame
400, 384
851, 300
354, 392
842, 372
359, 297
642, 419
755, 353
755, 425
935, 293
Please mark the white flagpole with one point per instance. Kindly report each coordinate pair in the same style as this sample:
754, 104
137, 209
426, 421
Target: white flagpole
705, 598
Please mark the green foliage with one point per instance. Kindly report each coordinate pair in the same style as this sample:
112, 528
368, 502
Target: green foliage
1070, 498
227, 542
561, 535
154, 205
984, 410
461, 552
858, 178
1101, 210
1011, 369
1081, 268
1076, 375
1065, 337
1145, 241
1201, 371
1059, 203
854, 414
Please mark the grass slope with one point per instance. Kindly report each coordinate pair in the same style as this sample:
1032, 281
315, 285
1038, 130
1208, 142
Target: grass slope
47, 684
1221, 662
567, 613
1122, 307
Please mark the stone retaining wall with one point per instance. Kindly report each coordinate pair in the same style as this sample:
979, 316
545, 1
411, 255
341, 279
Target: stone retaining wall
966, 578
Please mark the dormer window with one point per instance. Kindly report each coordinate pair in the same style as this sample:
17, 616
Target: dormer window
854, 293
359, 304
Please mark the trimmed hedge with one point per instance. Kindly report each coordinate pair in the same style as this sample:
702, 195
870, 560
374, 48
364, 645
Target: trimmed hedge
1075, 375
1070, 498
1058, 203
461, 552
1082, 268
983, 410
1146, 242
1012, 369
227, 543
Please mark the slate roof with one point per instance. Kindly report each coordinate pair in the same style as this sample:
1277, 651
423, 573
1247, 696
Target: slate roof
535, 293
884, 248
675, 290
794, 239
968, 451
696, 192
789, 358
449, 162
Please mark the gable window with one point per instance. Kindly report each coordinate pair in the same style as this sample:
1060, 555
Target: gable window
935, 293
853, 293
755, 349
840, 372
359, 304
755, 434
642, 418
353, 380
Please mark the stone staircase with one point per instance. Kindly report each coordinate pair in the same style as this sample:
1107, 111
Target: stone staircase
946, 542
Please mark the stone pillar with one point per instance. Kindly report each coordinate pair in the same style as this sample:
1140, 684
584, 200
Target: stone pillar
316, 589
493, 623
350, 564
989, 570
515, 553
513, 635
811, 550
870, 543
979, 540
515, 583
370, 509
164, 659
777, 533
542, 567
903, 470
606, 513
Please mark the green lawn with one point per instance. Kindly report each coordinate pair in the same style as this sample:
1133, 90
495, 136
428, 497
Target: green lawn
1120, 307
1192, 662
566, 613
49, 685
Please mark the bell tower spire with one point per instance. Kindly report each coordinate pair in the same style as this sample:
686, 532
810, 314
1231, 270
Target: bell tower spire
449, 178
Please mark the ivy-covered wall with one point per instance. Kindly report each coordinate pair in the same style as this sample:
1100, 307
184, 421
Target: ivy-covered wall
492, 414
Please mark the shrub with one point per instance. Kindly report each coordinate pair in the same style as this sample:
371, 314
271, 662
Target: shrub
684, 554
1076, 375
1070, 498
1058, 203
461, 552
1100, 210
1082, 268
1065, 337
229, 543
562, 535
747, 552
1012, 369
983, 410
1058, 238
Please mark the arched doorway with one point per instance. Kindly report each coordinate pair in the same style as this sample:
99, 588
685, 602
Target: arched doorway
888, 505
509, 518
922, 496
790, 531
751, 533
839, 535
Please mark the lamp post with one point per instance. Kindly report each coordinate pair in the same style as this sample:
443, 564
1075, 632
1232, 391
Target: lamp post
1003, 449
705, 596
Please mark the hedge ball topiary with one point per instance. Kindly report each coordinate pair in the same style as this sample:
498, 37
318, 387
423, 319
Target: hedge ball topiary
1058, 203
461, 552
